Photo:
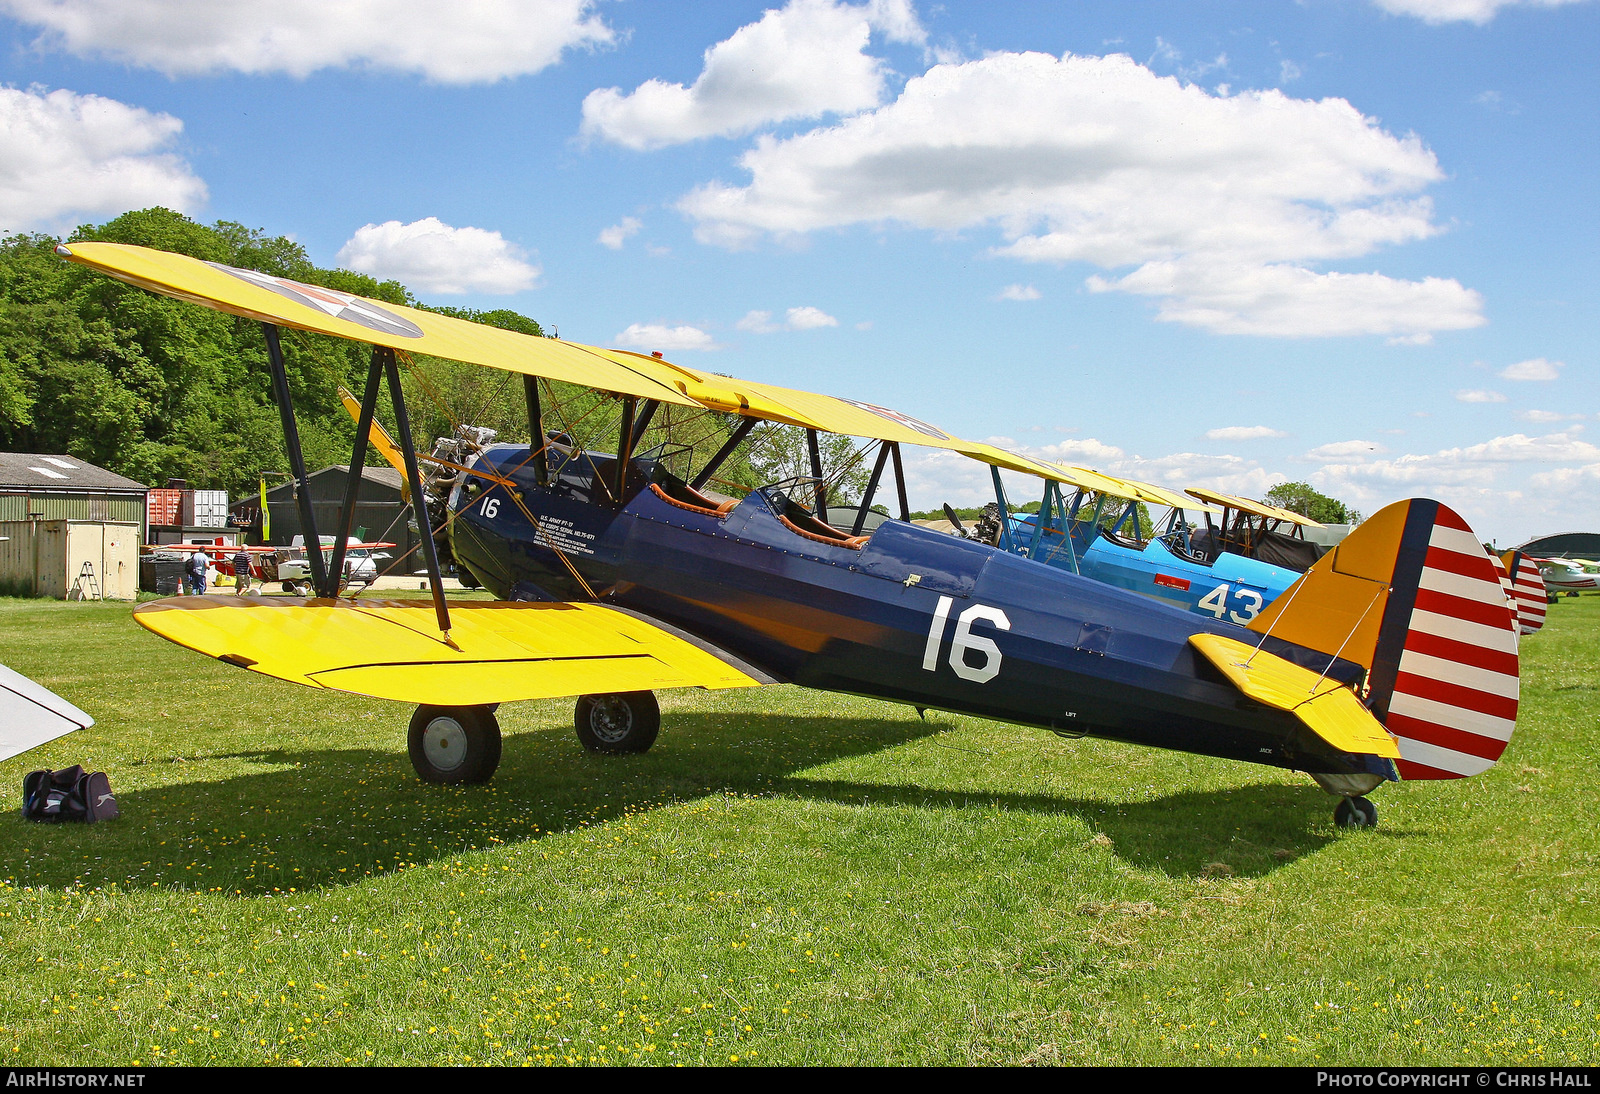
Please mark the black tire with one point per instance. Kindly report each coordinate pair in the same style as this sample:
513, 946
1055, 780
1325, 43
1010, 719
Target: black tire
1356, 813
468, 579
619, 722
454, 744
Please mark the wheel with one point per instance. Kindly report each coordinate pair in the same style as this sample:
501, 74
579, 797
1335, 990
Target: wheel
1356, 813
454, 744
290, 588
468, 579
621, 722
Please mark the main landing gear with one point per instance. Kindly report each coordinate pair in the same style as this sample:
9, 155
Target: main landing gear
620, 722
462, 744
454, 744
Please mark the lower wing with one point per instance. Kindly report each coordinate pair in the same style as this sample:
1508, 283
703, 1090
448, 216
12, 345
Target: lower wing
499, 652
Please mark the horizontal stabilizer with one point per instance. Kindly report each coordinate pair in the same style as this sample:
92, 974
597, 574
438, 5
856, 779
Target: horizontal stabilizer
30, 715
1330, 709
391, 649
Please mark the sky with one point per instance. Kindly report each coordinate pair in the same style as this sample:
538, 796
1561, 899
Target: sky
1199, 243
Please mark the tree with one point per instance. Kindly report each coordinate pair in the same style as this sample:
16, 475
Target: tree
778, 452
1302, 498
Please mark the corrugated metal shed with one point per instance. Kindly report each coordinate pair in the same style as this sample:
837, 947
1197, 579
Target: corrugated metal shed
48, 557
56, 487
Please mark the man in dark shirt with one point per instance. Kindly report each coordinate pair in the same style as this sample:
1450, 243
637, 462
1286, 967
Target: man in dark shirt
241, 572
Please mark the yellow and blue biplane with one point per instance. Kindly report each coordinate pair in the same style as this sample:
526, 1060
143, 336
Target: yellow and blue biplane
619, 570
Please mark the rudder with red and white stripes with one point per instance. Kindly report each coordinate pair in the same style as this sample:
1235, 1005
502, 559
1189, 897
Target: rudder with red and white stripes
1444, 675
1527, 585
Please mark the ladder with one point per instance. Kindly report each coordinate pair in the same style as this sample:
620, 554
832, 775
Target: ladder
86, 587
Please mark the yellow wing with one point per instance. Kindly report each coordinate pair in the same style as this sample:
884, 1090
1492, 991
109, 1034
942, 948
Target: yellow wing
390, 649
271, 299
1330, 709
1258, 508
289, 303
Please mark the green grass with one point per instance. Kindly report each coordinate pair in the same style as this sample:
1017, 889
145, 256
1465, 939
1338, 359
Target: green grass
789, 877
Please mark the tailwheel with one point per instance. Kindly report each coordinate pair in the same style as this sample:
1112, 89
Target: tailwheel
454, 744
620, 722
1356, 812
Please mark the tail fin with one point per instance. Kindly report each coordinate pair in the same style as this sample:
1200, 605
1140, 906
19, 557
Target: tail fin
1527, 584
1412, 596
1504, 575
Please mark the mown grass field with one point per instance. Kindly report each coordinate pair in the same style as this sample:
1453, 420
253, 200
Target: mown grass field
787, 878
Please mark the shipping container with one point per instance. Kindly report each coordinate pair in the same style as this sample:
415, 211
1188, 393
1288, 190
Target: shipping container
164, 507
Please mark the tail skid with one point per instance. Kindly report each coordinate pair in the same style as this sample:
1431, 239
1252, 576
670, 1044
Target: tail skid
1412, 596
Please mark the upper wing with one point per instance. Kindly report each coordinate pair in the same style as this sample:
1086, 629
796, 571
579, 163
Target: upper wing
1257, 508
391, 649
271, 299
30, 715
279, 300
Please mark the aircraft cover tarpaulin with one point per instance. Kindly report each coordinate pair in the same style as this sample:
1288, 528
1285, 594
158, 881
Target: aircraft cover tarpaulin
287, 303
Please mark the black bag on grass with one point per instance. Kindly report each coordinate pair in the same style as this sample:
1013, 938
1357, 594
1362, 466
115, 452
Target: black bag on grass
72, 794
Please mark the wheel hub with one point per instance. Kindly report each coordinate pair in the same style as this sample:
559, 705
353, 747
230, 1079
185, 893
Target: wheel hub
611, 719
445, 743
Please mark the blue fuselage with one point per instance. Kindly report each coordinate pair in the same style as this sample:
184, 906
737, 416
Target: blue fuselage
912, 615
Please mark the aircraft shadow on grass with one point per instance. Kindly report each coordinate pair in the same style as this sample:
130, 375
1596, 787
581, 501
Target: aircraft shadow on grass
331, 817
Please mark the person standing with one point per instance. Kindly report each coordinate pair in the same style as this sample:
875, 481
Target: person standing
194, 573
241, 572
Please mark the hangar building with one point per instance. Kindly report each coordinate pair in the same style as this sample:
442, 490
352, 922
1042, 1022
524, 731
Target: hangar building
381, 515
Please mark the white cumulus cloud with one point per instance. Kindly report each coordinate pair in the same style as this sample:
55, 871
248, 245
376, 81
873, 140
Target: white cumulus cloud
430, 256
1346, 450
1536, 368
1479, 395
1220, 205
1243, 433
808, 318
1508, 488
658, 336
1461, 11
1018, 292
1545, 417
64, 156
801, 318
616, 235
803, 60
1290, 301
470, 41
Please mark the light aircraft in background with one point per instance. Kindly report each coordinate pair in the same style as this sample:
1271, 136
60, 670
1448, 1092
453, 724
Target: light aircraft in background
1566, 575
292, 566
617, 573
1174, 561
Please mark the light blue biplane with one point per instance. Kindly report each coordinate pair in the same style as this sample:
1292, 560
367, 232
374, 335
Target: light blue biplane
1218, 569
